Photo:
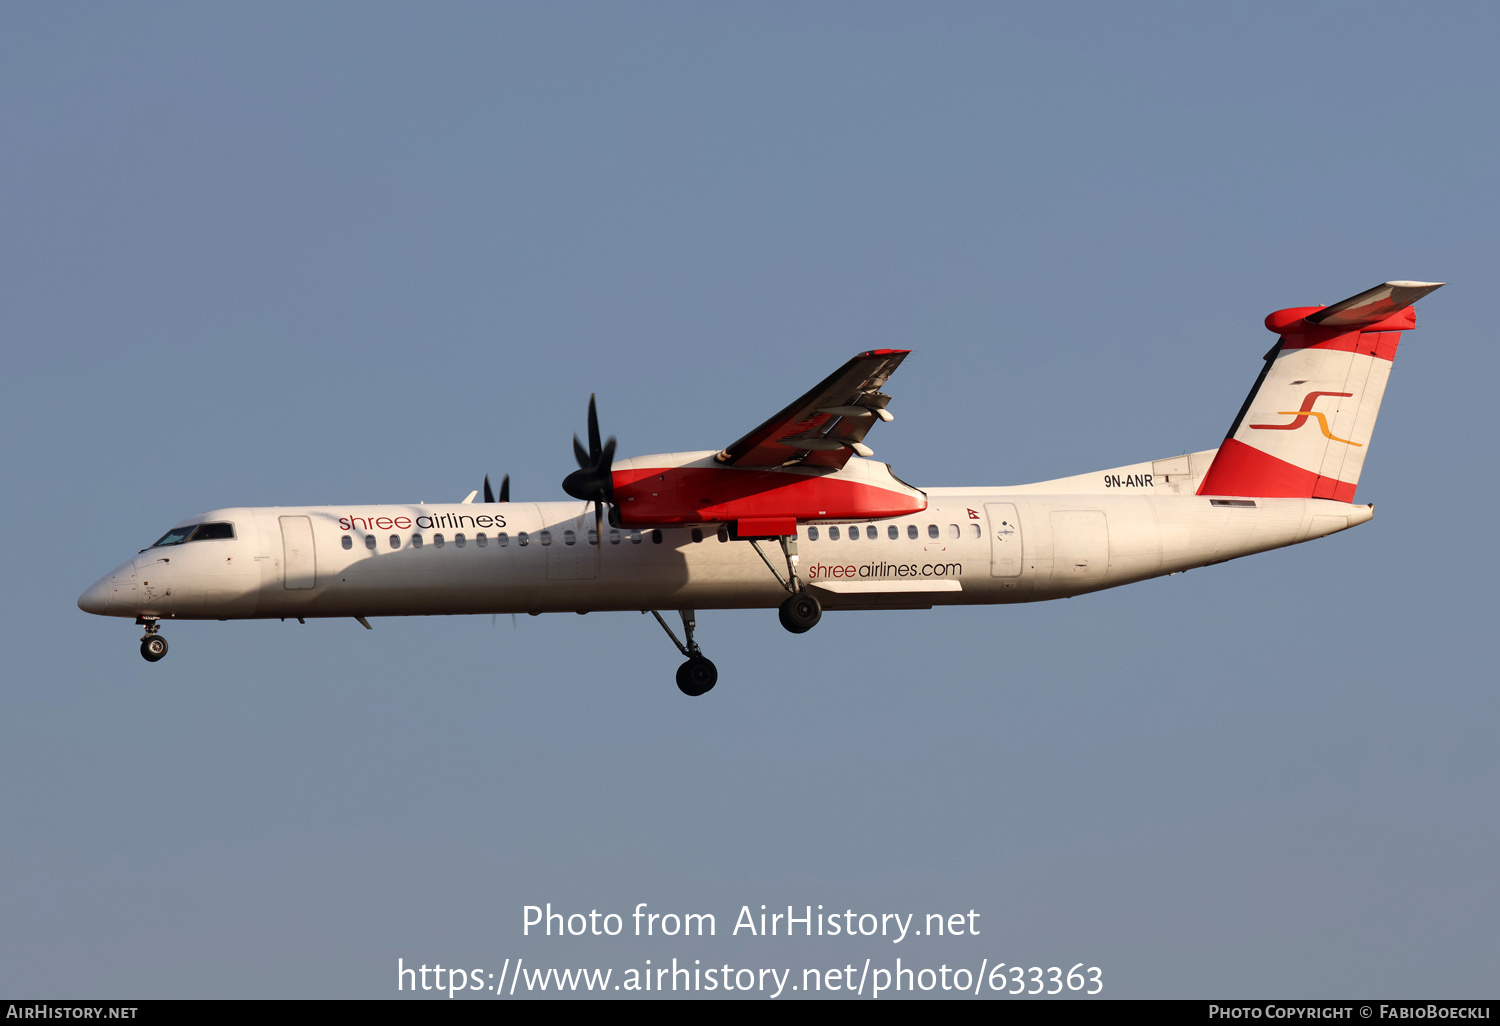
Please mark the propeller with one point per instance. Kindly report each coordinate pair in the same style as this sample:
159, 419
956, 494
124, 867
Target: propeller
592, 481
489, 496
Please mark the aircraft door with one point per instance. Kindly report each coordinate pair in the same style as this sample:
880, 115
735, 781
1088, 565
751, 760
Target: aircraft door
1005, 539
1080, 544
299, 557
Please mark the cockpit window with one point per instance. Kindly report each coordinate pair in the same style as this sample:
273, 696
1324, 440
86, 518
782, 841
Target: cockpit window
194, 532
176, 536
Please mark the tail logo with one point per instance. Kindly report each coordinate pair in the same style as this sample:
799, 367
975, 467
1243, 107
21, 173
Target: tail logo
1300, 417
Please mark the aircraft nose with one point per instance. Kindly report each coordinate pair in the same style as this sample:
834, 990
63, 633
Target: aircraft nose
96, 599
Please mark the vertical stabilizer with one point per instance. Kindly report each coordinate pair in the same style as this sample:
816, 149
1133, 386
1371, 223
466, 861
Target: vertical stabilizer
1305, 428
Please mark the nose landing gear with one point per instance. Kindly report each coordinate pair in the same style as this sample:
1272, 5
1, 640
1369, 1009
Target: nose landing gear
153, 645
698, 675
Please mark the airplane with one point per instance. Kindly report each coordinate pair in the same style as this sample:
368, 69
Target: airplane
797, 516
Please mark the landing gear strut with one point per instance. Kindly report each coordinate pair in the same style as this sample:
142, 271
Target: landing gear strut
801, 611
153, 645
698, 675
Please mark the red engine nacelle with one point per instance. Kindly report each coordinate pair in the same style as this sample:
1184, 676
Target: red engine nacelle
694, 489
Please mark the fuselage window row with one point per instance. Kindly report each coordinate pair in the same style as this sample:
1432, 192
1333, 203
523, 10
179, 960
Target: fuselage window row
570, 537
502, 539
835, 533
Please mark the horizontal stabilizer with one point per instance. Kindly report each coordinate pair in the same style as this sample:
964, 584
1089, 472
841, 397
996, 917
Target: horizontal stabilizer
1373, 305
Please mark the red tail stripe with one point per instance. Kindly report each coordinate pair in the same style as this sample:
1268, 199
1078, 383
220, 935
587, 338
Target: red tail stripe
1241, 469
1379, 344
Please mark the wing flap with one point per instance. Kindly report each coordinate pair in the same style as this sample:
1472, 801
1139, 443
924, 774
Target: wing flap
828, 424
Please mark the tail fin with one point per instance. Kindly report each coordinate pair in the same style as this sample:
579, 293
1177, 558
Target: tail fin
1327, 374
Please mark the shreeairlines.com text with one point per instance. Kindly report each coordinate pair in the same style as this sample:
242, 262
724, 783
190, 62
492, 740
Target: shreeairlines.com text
867, 980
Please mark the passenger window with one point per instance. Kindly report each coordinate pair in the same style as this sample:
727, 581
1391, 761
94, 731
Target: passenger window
656, 536
348, 542
370, 542
569, 538
502, 539
974, 531
911, 530
812, 534
854, 533
210, 532
593, 537
635, 537
481, 540
522, 539
416, 541
932, 531
614, 536
459, 540
545, 537
871, 533
697, 535
892, 532
437, 541
952, 530
833, 534
395, 541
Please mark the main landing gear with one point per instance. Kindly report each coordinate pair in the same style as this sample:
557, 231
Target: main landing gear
801, 611
153, 645
799, 614
698, 675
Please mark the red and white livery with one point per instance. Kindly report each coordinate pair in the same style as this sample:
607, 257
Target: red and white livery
798, 516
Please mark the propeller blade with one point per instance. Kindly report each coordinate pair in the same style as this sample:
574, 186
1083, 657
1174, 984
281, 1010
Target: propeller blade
489, 496
594, 449
505, 488
606, 478
593, 481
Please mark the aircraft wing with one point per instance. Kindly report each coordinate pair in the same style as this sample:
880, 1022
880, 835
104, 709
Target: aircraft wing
828, 424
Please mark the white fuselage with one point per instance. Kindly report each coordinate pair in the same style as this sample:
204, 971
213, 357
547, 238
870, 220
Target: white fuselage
970, 546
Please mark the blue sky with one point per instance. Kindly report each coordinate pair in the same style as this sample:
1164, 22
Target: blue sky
310, 253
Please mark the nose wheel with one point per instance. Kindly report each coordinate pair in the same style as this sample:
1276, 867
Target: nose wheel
698, 675
153, 645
